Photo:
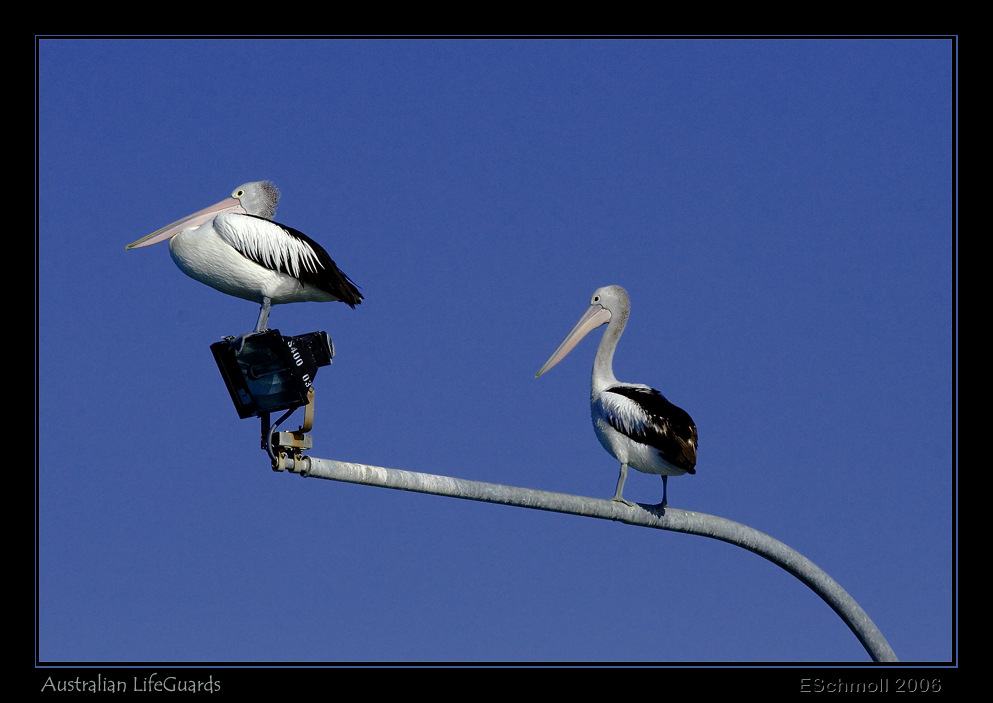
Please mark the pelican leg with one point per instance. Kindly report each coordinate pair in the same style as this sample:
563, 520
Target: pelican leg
260, 326
665, 485
620, 486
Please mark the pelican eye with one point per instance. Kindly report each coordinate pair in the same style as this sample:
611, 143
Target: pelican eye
238, 193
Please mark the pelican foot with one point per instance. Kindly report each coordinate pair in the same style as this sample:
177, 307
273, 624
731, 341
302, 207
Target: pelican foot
238, 342
617, 499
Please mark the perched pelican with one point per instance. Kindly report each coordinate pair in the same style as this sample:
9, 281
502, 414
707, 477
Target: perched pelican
633, 422
235, 247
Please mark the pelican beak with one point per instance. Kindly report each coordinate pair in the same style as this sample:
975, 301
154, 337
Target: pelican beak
188, 222
594, 317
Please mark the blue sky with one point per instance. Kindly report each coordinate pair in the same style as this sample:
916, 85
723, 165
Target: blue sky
780, 212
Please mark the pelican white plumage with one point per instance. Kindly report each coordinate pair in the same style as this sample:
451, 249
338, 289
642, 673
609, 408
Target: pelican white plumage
235, 247
633, 422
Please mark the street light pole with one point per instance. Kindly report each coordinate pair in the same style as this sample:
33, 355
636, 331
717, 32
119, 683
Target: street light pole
641, 515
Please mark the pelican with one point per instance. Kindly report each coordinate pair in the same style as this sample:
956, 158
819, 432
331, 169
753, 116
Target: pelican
235, 247
633, 422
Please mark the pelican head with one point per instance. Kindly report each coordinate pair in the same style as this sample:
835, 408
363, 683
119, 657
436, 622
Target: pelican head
609, 302
258, 198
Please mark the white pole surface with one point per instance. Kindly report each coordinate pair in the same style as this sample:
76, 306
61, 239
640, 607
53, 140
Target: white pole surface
642, 515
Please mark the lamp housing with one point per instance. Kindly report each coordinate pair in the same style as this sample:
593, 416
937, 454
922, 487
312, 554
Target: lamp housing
266, 372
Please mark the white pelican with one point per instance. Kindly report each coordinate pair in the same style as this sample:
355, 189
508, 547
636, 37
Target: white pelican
235, 247
633, 422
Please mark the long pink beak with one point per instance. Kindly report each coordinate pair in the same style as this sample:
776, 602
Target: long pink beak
188, 222
594, 317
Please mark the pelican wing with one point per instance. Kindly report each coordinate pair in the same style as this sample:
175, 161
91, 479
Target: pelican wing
284, 249
644, 415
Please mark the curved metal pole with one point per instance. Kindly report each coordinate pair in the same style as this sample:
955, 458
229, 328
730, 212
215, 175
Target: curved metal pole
643, 515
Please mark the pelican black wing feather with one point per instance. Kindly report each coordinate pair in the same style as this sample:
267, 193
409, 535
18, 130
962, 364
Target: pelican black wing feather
328, 277
668, 428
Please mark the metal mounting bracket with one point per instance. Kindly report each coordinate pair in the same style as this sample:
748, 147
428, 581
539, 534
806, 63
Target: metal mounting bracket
286, 449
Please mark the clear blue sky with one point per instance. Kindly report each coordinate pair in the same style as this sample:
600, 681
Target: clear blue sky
780, 213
